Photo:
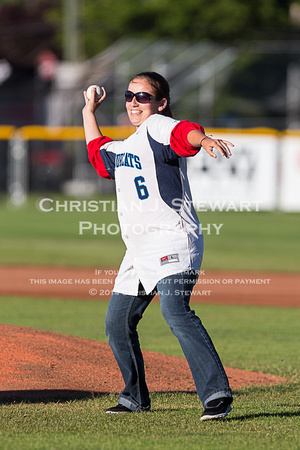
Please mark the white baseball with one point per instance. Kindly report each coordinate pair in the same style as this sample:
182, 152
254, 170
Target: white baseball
98, 91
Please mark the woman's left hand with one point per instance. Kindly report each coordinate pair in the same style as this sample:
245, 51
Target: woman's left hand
219, 144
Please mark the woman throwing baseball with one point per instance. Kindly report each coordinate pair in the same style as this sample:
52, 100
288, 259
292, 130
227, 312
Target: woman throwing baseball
162, 235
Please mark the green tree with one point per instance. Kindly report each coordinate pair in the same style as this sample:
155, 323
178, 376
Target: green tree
102, 22
192, 20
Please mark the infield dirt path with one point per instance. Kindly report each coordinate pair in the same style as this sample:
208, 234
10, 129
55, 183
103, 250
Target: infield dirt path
38, 365
273, 289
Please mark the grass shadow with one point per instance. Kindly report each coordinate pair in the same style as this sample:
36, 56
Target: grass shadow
46, 395
263, 415
59, 395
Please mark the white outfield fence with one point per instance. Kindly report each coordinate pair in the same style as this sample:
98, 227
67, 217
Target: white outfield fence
262, 175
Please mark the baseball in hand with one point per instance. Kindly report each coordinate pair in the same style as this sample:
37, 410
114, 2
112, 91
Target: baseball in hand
98, 91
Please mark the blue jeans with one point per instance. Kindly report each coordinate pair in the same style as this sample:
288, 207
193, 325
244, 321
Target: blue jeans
123, 315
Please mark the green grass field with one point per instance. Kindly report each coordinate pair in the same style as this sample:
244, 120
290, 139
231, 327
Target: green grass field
247, 337
256, 241
252, 338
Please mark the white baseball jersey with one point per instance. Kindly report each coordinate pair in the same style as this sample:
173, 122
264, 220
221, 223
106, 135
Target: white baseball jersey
159, 225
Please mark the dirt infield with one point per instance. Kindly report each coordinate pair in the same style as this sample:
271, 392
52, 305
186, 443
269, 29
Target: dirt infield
272, 289
38, 365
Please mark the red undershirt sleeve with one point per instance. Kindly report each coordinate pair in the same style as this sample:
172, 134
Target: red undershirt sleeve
179, 142
95, 158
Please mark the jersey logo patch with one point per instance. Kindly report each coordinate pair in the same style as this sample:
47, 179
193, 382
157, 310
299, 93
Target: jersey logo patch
169, 259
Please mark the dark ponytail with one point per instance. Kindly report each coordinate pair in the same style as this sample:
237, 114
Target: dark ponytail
161, 86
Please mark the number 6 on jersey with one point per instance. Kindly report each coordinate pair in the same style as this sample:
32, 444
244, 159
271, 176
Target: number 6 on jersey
141, 189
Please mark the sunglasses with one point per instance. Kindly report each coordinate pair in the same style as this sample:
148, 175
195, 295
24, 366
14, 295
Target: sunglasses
141, 97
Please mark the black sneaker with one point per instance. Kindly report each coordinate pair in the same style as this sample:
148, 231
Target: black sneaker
217, 409
118, 409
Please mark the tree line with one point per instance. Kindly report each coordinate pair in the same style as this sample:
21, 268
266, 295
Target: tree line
27, 26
